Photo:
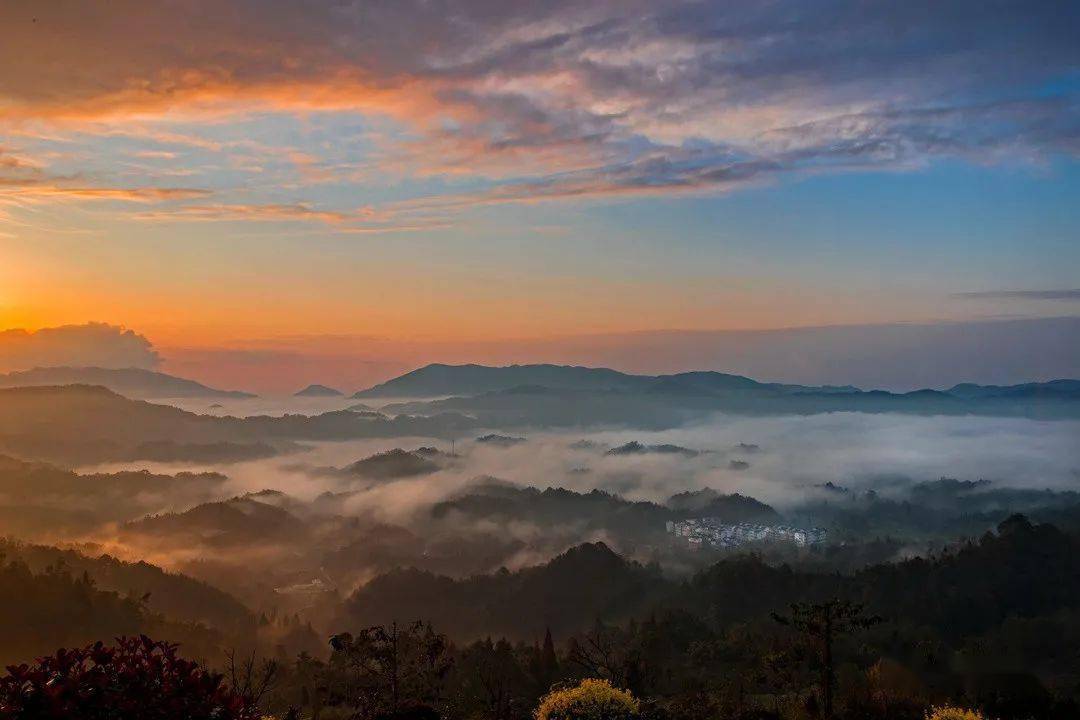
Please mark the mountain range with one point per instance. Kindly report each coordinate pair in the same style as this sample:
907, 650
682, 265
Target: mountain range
551, 395
437, 380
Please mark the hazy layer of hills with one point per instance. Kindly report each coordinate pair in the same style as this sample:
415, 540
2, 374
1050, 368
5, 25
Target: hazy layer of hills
83, 424
40, 500
130, 382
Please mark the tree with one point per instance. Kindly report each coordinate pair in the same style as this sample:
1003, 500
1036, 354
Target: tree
491, 683
822, 623
606, 652
592, 699
549, 662
249, 679
386, 670
137, 679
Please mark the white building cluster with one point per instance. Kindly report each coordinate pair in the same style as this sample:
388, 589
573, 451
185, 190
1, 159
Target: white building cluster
713, 532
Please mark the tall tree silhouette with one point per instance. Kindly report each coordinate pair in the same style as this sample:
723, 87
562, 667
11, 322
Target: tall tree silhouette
822, 624
384, 669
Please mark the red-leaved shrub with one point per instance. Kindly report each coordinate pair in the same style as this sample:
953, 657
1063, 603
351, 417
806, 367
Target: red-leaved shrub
137, 678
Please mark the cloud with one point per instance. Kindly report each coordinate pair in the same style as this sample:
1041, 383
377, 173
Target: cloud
44, 191
10, 161
24, 180
359, 221
1021, 295
276, 212
570, 98
156, 155
90, 345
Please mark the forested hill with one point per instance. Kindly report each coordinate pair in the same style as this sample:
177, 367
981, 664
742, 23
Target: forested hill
176, 596
566, 594
994, 620
1023, 570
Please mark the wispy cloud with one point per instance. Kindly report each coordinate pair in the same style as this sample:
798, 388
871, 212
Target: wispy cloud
10, 161
1021, 295
293, 212
357, 222
42, 191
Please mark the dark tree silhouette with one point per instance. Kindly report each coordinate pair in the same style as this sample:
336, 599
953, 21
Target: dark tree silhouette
822, 623
389, 670
491, 681
251, 680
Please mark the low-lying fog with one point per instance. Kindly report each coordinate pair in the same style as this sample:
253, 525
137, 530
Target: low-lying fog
793, 454
384, 513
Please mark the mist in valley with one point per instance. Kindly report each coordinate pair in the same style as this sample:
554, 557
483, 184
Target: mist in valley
343, 528
791, 457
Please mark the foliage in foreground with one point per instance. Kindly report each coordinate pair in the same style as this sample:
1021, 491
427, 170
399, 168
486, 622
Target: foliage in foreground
592, 699
948, 712
137, 678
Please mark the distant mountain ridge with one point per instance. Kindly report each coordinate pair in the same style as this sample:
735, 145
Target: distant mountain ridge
319, 391
558, 396
1069, 389
439, 380
134, 383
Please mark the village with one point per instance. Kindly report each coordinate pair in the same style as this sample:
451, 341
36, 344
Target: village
714, 532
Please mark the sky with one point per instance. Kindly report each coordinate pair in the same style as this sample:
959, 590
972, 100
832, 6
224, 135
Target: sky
248, 174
